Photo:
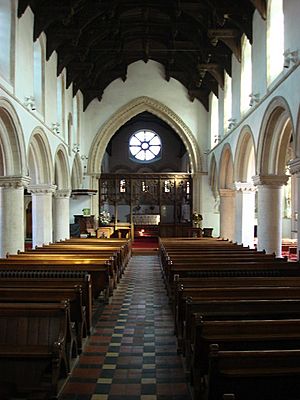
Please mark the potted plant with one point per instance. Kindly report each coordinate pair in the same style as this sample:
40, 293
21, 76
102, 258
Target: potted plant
104, 218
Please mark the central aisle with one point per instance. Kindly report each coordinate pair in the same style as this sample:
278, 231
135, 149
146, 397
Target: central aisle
132, 353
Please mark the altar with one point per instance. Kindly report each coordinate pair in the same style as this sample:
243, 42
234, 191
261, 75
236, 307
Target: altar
146, 219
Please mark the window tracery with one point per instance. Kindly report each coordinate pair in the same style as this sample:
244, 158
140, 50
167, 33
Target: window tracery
145, 146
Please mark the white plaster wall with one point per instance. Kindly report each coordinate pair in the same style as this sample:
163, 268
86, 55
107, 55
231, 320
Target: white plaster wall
50, 89
291, 10
288, 88
236, 89
77, 203
259, 51
221, 113
146, 80
24, 56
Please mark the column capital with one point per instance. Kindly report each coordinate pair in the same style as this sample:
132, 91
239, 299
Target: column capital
294, 166
41, 189
246, 187
14, 182
275, 181
62, 193
227, 192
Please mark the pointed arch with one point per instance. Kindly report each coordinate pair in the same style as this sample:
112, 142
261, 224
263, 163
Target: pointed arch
132, 109
275, 135
226, 168
77, 174
12, 146
245, 155
61, 169
40, 158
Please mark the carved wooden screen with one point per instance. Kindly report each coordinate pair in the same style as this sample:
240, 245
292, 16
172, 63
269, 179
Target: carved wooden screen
168, 195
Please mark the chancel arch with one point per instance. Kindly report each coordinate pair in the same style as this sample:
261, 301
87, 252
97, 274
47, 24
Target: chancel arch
132, 109
126, 113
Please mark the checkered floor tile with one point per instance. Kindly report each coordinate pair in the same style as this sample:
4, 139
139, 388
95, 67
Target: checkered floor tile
132, 353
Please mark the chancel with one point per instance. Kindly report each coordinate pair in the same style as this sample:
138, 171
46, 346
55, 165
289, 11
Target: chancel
149, 184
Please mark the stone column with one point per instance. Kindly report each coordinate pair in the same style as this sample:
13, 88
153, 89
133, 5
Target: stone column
269, 212
41, 213
244, 213
12, 227
61, 215
294, 166
227, 214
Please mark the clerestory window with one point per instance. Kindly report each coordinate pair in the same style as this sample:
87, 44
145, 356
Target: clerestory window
145, 146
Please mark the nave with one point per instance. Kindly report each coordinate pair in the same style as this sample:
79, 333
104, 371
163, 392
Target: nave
131, 354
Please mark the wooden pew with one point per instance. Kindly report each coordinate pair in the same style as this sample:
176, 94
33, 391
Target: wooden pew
83, 258
253, 374
213, 258
32, 346
182, 285
73, 295
184, 325
124, 246
225, 303
113, 257
52, 279
101, 273
233, 269
238, 335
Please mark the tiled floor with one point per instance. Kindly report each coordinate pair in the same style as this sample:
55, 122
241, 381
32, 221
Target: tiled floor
132, 354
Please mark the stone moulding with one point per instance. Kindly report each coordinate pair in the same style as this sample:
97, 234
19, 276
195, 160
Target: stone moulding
132, 109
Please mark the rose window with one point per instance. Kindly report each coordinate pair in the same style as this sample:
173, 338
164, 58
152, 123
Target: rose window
145, 146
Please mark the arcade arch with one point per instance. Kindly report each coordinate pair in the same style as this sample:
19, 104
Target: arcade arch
227, 194
244, 170
275, 139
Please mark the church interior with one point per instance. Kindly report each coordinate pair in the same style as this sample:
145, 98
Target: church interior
149, 199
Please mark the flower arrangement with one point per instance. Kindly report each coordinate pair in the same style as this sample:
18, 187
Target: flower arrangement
197, 218
104, 217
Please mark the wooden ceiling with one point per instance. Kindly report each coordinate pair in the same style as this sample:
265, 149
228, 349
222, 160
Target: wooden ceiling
96, 40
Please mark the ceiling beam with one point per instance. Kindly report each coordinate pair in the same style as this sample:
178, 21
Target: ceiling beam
215, 70
231, 37
261, 6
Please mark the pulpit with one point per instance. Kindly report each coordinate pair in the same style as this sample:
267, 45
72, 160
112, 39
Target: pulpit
86, 222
